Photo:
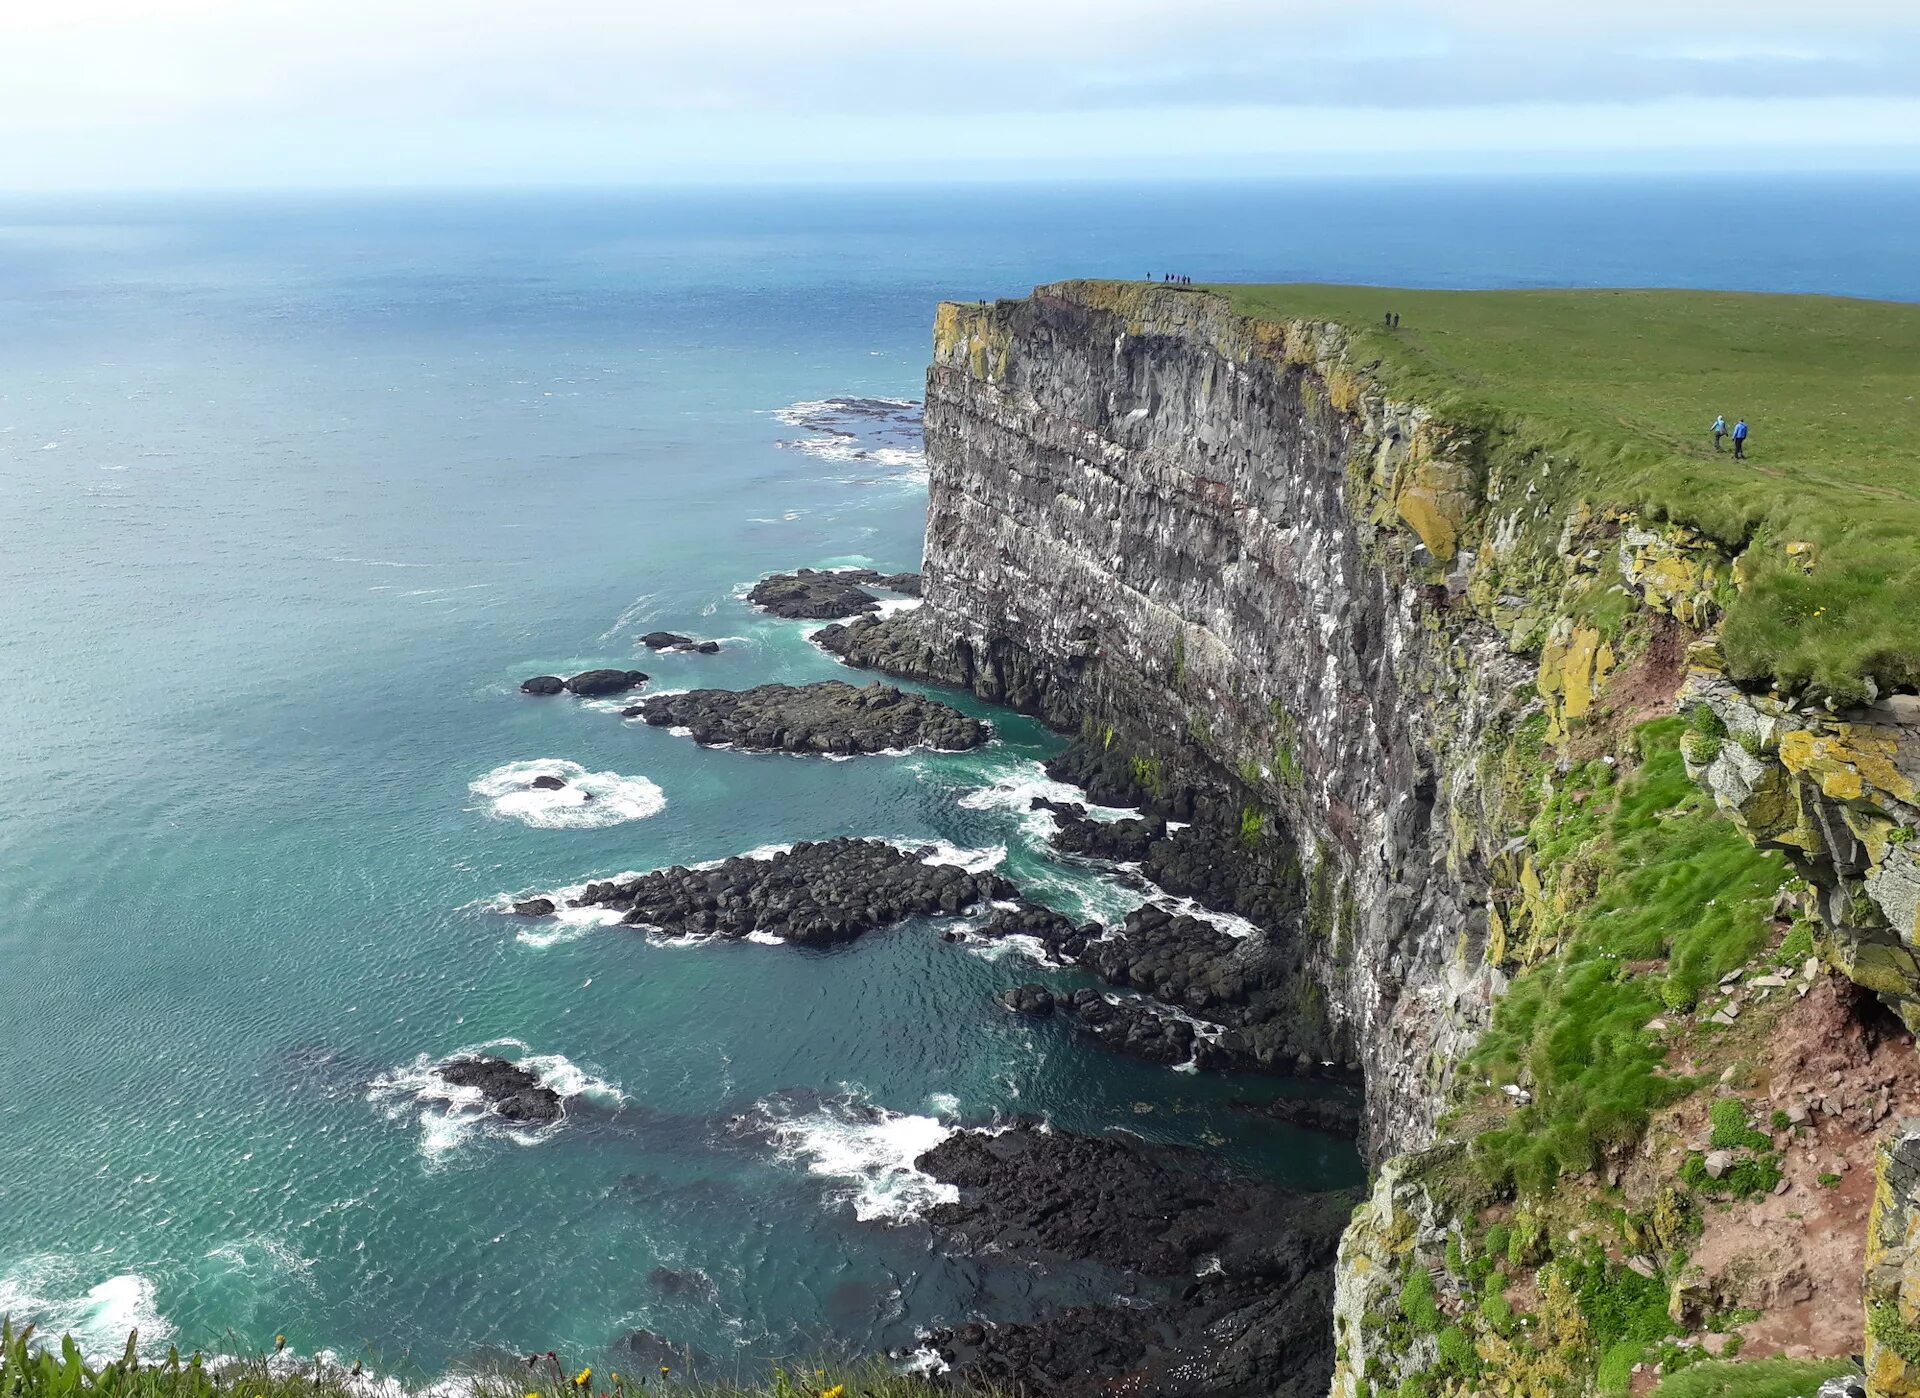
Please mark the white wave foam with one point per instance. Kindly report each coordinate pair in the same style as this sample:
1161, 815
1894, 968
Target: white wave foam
974, 861
871, 1152
1016, 791
53, 1291
809, 410
638, 610
588, 801
450, 1116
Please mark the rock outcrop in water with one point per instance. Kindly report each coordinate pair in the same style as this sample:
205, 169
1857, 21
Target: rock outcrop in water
587, 684
816, 894
673, 640
510, 1090
830, 717
821, 595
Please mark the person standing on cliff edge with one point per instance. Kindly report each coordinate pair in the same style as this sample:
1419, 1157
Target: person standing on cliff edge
1740, 440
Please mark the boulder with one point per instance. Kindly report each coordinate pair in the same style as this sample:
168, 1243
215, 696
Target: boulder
591, 682
1033, 999
546, 781
543, 684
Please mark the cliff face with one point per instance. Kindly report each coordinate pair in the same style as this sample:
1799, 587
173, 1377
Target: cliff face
1218, 549
1143, 522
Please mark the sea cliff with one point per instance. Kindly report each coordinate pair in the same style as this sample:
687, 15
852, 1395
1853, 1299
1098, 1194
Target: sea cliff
1570, 883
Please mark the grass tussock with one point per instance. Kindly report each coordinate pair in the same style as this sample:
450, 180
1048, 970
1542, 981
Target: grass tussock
1753, 1378
1613, 391
29, 1369
1679, 899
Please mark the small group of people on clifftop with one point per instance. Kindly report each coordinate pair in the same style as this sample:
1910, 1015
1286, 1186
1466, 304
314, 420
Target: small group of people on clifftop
1173, 279
1719, 430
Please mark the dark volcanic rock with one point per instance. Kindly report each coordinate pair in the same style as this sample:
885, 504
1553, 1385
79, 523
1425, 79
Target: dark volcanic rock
691, 1282
543, 684
1242, 990
673, 640
510, 1090
1248, 985
1258, 1322
815, 894
591, 682
534, 907
812, 595
1032, 999
1139, 1028
546, 781
1059, 935
828, 717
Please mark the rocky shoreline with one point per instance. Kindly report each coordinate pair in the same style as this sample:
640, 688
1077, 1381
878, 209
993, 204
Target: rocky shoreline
1224, 1283
1231, 1276
829, 717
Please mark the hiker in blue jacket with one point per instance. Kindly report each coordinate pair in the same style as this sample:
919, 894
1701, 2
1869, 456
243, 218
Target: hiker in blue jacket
1740, 440
1719, 430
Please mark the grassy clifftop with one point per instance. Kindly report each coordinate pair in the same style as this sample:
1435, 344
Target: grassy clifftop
1622, 386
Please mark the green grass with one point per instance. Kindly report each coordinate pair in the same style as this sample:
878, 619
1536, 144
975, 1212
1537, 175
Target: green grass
1752, 1378
29, 1369
1617, 388
1678, 891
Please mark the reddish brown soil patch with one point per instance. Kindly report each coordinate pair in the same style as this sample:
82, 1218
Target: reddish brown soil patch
1797, 1256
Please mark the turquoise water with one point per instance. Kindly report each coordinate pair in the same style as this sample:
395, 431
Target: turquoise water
296, 493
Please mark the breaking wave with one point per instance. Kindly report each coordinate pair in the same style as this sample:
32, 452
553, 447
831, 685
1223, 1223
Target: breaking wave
587, 801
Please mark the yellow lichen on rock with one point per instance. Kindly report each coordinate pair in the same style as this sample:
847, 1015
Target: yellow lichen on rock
1893, 1267
1574, 665
1674, 570
1847, 761
1435, 495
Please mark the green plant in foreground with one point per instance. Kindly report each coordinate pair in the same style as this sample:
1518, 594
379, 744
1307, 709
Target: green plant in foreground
30, 1371
1730, 1128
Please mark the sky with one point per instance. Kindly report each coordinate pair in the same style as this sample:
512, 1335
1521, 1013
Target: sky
136, 94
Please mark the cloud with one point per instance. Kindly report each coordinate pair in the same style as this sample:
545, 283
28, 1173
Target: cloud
119, 84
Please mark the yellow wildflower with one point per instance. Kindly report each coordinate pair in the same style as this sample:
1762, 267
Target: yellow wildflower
837, 1391
583, 1378
279, 1343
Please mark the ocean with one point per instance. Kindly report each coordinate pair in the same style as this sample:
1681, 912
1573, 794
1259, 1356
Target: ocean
297, 490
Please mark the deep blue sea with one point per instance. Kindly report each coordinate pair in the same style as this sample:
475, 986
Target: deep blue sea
295, 491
